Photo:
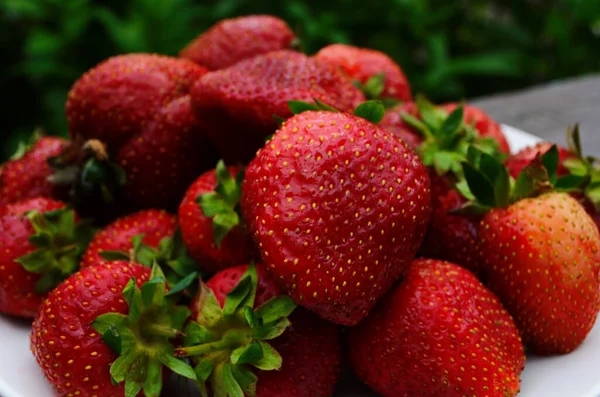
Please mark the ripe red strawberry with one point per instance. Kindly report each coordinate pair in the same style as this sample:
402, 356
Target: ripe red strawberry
232, 40
42, 242
306, 353
339, 208
88, 334
210, 223
377, 73
539, 250
26, 175
439, 333
239, 102
392, 122
138, 106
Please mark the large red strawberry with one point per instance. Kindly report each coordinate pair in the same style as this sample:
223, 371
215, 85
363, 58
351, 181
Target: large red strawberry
376, 73
138, 106
210, 221
232, 40
339, 208
539, 250
41, 242
242, 310
27, 174
239, 102
107, 331
439, 333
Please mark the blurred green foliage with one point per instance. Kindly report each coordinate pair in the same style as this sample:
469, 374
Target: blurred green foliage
449, 49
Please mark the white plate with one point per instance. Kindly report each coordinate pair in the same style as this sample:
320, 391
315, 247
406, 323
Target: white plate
573, 375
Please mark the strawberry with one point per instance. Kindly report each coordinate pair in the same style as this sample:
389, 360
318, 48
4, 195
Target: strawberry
439, 333
26, 174
107, 331
241, 312
138, 106
335, 225
539, 250
375, 72
392, 122
517, 162
42, 242
210, 223
239, 102
235, 39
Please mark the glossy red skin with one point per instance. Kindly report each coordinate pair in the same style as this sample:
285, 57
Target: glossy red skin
138, 105
153, 224
311, 348
27, 177
392, 122
542, 258
450, 237
339, 208
239, 102
363, 63
439, 333
197, 229
233, 40
70, 352
484, 124
17, 286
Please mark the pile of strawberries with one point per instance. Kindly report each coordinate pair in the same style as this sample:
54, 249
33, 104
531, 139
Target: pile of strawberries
346, 222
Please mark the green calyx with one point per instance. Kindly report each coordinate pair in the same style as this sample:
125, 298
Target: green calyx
26, 145
143, 337
226, 343
223, 204
171, 256
373, 89
59, 241
447, 137
372, 110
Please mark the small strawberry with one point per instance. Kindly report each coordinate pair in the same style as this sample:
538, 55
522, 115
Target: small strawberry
235, 39
238, 103
210, 220
42, 242
392, 122
339, 208
241, 314
149, 237
138, 106
439, 333
26, 174
539, 250
107, 331
375, 73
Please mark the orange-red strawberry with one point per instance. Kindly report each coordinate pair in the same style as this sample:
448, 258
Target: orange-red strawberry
439, 333
304, 350
27, 174
210, 221
239, 102
107, 331
374, 71
539, 251
232, 40
339, 208
138, 106
392, 122
41, 242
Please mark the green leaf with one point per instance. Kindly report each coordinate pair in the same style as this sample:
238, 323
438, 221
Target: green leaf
230, 383
389, 103
132, 388
204, 369
575, 166
276, 308
442, 162
574, 141
374, 86
48, 282
41, 240
463, 188
114, 255
271, 359
222, 225
550, 161
37, 261
112, 338
569, 183
502, 188
153, 292
183, 284
370, 110
481, 187
105, 321
237, 296
430, 114
208, 307
195, 334
248, 354
452, 123
324, 106
271, 330
252, 318
153, 384
297, 107
176, 365
245, 378
279, 120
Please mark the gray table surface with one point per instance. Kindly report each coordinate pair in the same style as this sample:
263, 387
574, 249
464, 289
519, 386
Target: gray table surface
547, 110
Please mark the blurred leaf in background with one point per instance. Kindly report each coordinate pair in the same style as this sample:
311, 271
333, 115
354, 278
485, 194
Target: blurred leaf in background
449, 49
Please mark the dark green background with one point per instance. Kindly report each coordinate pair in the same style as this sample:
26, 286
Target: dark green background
450, 49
